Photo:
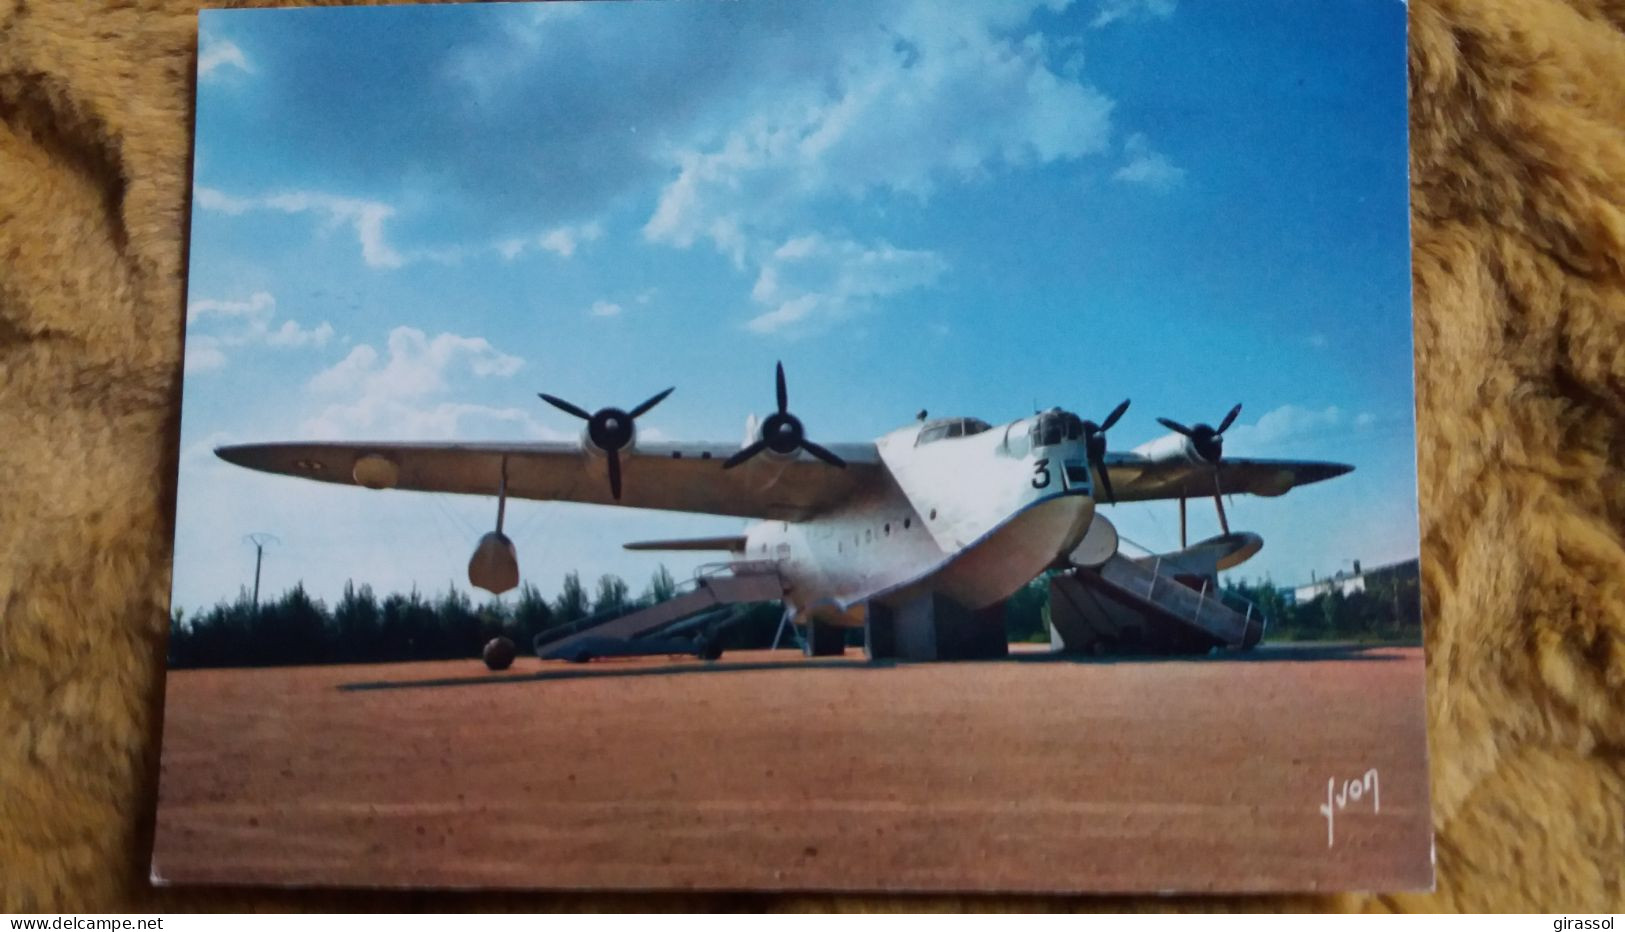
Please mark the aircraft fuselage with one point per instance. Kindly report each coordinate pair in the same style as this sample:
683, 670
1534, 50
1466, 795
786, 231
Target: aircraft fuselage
1004, 503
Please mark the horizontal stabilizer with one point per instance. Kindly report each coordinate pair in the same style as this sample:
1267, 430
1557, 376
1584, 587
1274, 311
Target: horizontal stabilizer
733, 543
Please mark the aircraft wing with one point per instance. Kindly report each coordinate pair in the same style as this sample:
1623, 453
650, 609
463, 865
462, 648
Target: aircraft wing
1139, 479
667, 476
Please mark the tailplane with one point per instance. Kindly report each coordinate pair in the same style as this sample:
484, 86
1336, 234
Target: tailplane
733, 544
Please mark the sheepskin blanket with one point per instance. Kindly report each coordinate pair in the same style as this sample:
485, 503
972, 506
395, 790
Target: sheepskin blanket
1518, 187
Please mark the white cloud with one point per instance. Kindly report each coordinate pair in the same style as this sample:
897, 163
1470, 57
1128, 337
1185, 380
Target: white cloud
605, 309
525, 31
292, 335
935, 98
365, 218
242, 322
217, 54
1148, 167
1293, 420
403, 390
811, 279
1290, 425
562, 241
1111, 11
258, 304
1318, 340
203, 354
417, 364
894, 112
219, 201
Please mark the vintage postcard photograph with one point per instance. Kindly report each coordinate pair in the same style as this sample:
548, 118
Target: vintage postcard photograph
793, 445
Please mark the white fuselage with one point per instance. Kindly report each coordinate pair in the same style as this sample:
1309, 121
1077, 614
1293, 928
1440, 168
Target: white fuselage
995, 508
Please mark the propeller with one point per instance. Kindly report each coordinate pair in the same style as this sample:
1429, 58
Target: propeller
1208, 442
783, 433
609, 429
1094, 438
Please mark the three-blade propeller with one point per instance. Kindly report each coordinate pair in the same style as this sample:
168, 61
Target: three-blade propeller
1208, 442
783, 433
1094, 438
609, 429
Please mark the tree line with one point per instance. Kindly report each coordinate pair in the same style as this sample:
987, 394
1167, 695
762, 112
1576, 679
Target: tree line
1388, 608
296, 628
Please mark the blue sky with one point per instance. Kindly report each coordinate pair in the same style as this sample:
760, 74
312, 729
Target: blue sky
407, 221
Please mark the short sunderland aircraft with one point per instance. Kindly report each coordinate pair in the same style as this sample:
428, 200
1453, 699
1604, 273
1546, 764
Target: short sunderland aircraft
950, 512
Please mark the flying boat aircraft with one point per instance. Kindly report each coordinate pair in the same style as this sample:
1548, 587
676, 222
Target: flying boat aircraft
918, 536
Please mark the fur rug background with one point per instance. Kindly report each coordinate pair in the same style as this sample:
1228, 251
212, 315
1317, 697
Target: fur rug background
1518, 182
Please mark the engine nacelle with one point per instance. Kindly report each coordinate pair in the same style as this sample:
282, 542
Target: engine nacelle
781, 435
1170, 448
619, 436
772, 453
495, 564
609, 431
767, 463
779, 457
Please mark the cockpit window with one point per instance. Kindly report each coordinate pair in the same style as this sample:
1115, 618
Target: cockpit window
1057, 426
951, 427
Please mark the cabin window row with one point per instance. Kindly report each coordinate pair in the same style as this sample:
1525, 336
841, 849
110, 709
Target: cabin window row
869, 535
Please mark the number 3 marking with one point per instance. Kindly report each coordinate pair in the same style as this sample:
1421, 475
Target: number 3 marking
1041, 474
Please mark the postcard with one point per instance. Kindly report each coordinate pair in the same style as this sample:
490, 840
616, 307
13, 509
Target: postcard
789, 445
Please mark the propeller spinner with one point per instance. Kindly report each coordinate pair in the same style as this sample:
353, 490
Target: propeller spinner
1094, 438
609, 429
783, 434
1208, 442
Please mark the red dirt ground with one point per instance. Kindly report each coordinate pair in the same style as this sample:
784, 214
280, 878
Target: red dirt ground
768, 771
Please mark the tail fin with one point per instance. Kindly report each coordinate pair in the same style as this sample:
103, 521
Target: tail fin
735, 544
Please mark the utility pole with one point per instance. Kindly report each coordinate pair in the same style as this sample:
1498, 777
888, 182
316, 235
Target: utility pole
259, 539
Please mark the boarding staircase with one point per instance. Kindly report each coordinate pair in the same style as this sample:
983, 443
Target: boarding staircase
682, 624
1155, 603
